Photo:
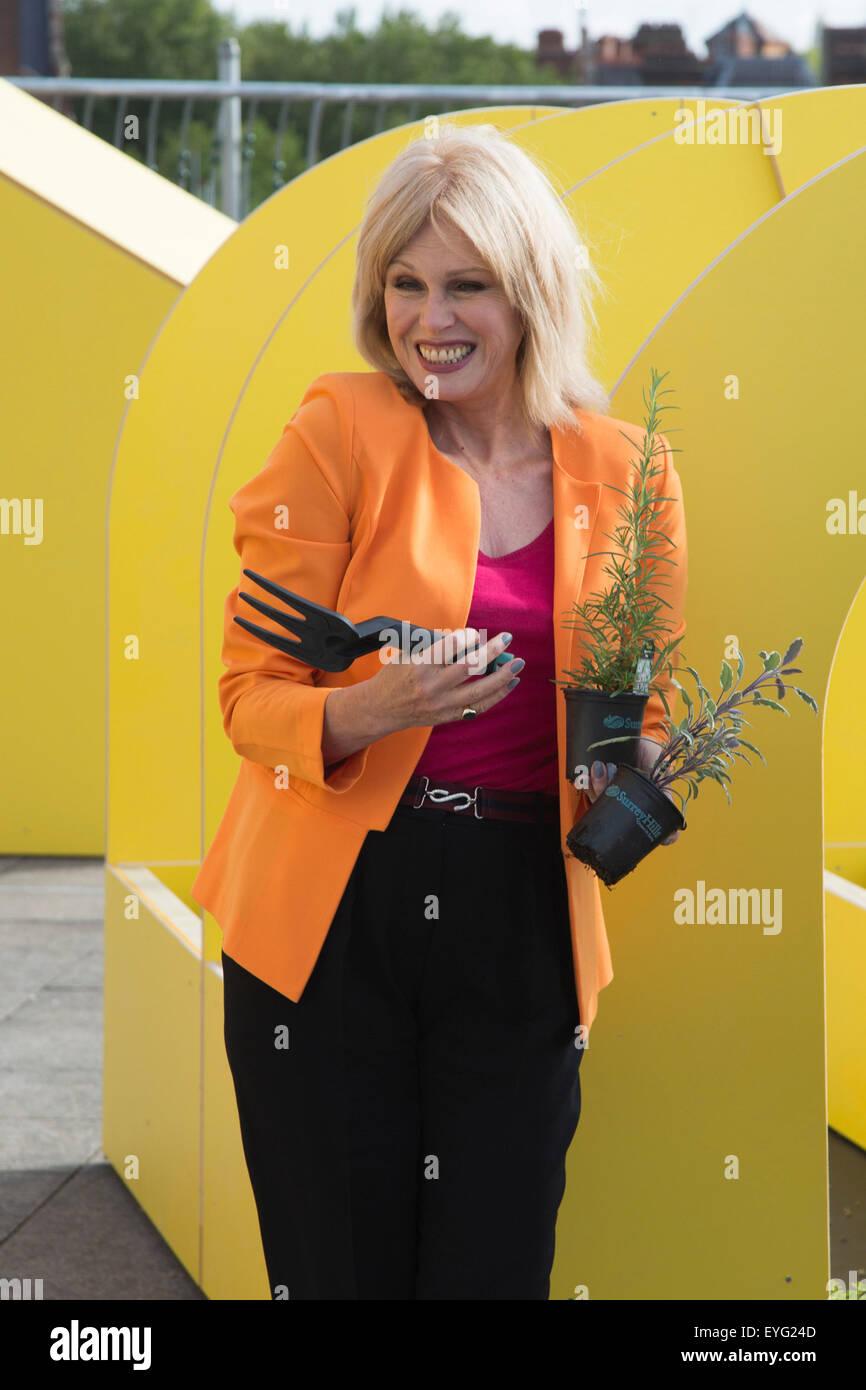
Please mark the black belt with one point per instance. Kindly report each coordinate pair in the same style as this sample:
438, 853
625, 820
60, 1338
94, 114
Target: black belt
484, 803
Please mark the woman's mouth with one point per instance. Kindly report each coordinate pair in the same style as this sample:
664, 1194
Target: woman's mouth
444, 359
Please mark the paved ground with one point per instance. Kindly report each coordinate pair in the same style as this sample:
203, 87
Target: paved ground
65, 1216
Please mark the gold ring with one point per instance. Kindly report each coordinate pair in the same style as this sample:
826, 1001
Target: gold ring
469, 713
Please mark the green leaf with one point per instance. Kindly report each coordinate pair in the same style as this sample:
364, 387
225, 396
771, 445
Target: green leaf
746, 744
773, 704
793, 651
727, 676
740, 665
772, 661
619, 738
806, 697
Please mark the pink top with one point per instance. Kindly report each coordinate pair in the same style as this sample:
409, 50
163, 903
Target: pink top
512, 745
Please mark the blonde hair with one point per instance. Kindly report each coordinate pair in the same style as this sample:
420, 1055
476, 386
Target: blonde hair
506, 204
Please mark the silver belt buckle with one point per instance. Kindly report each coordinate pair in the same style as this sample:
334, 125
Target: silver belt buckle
440, 795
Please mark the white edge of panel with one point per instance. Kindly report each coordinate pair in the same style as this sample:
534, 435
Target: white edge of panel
165, 905
844, 888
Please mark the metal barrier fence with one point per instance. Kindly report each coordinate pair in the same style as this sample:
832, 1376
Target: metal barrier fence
223, 178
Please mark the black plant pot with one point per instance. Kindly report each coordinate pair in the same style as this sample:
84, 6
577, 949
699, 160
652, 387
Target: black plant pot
619, 829
591, 715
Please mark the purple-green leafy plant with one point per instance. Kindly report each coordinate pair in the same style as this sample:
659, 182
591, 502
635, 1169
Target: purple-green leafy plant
709, 738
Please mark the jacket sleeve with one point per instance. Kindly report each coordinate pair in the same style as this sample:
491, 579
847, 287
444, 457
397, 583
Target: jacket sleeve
293, 524
669, 518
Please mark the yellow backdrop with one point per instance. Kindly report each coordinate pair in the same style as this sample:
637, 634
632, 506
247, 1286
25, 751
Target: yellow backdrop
95, 250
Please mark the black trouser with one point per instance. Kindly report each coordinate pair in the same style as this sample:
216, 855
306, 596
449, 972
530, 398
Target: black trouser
405, 1124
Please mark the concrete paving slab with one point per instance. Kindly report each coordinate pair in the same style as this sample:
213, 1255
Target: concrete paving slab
68, 1094
51, 890
89, 968
40, 953
48, 1143
23, 1191
58, 1028
847, 1208
91, 1240
40, 870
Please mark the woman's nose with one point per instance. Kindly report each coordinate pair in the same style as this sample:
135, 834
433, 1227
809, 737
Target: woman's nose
435, 314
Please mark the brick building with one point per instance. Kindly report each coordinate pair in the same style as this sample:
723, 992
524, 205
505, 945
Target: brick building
31, 39
843, 56
743, 53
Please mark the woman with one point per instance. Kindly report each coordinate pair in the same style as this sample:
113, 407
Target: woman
411, 962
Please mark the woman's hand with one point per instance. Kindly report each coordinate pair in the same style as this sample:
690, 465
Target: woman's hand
647, 755
435, 686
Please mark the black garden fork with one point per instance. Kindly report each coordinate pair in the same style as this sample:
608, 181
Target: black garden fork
328, 640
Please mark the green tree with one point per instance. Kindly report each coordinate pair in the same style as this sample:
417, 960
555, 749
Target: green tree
402, 49
173, 39
145, 38
161, 39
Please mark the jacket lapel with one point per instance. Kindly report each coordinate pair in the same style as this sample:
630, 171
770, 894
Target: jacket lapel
576, 504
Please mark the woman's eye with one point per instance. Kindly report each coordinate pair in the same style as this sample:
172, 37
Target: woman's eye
460, 284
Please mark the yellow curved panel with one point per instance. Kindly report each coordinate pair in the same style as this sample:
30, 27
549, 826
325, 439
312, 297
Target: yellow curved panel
846, 971
844, 752
655, 215
819, 127
722, 1025
598, 134
95, 249
845, 856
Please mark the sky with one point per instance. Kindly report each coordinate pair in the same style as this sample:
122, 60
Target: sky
518, 21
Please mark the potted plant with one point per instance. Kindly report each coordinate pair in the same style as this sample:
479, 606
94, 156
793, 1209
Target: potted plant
622, 627
636, 812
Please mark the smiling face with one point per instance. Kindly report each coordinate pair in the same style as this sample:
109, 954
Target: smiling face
448, 317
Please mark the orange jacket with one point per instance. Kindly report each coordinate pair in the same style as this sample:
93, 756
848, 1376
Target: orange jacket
380, 522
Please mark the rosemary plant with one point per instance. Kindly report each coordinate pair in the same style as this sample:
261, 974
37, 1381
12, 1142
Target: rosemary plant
620, 624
